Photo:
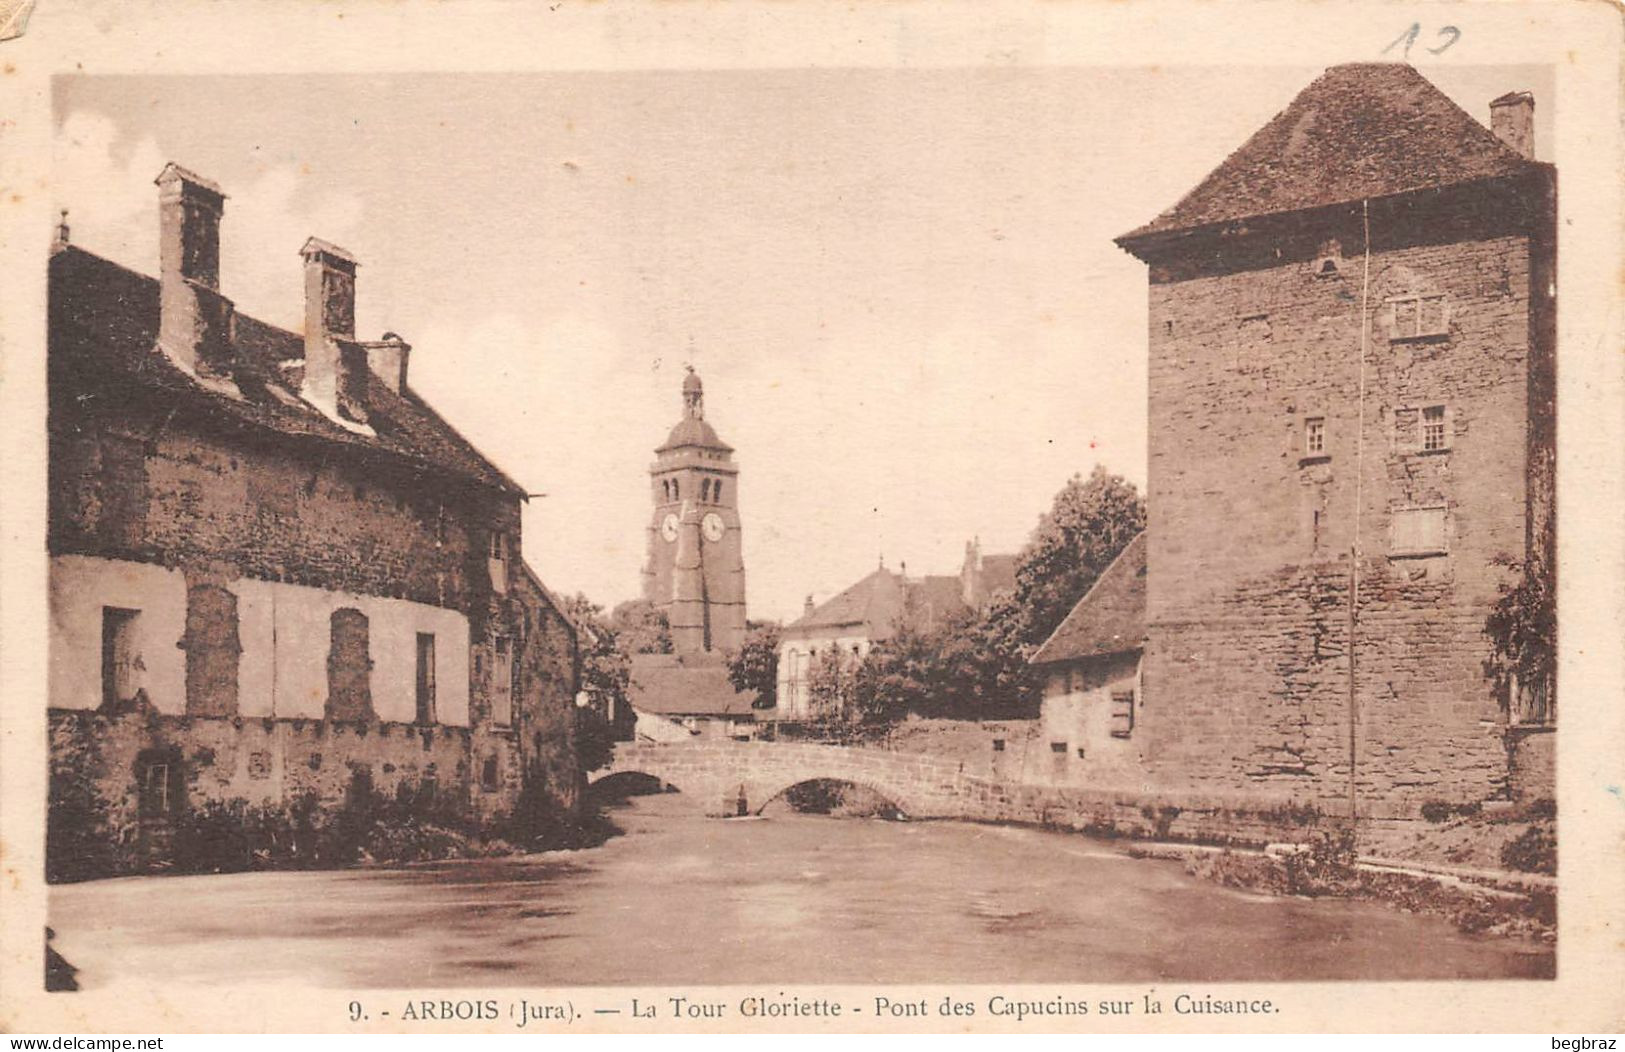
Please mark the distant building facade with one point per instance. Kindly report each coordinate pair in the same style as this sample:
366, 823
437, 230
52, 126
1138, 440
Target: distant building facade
272, 565
874, 609
1352, 375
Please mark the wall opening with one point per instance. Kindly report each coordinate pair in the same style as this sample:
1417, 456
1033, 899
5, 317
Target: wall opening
121, 658
349, 666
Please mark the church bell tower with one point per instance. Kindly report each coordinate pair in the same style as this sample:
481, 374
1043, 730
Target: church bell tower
695, 573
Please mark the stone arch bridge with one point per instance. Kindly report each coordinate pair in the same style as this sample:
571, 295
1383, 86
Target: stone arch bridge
715, 774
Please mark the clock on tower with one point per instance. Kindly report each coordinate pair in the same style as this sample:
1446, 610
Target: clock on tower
696, 570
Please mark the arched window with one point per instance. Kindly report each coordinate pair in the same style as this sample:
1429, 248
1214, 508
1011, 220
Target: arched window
716, 491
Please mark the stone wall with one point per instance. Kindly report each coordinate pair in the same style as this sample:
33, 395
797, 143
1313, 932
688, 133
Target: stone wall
983, 748
1246, 673
265, 760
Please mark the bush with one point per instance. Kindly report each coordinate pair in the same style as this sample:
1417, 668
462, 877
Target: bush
1534, 851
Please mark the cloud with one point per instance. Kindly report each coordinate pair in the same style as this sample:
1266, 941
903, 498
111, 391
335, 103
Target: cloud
107, 186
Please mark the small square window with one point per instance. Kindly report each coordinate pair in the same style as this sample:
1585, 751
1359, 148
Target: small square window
1434, 436
1058, 748
1420, 316
1314, 436
998, 744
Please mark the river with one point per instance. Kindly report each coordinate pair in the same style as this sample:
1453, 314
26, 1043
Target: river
785, 899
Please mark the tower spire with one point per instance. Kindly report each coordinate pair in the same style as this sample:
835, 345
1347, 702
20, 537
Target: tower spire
693, 394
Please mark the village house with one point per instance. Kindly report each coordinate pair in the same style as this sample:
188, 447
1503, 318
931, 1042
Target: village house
873, 610
273, 567
1090, 668
1352, 418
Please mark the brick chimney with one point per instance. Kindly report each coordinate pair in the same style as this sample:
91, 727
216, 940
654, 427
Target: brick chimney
195, 321
1512, 119
387, 359
335, 364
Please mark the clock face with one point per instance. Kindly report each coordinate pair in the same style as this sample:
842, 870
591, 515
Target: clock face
713, 527
668, 527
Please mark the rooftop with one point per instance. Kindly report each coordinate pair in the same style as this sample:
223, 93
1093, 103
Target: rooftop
103, 345
1357, 131
1110, 618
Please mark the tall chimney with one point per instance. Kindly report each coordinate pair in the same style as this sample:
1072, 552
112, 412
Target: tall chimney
335, 365
387, 359
194, 319
1512, 119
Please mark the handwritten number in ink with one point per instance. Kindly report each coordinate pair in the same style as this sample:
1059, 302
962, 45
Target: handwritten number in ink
1448, 34
1446, 31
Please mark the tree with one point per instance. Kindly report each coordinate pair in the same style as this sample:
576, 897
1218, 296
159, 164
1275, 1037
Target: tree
1089, 523
1522, 628
606, 675
641, 627
756, 666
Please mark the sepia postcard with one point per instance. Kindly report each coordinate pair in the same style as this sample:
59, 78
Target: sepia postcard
567, 517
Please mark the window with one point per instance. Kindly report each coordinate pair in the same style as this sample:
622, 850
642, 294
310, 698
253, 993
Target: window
1420, 316
497, 566
1122, 713
425, 678
1080, 752
155, 795
1418, 531
716, 491
488, 774
1314, 436
1059, 748
998, 744
120, 659
676, 489
1434, 436
259, 765
502, 688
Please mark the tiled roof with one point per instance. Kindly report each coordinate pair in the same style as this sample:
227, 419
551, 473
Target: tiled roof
1358, 131
675, 685
877, 604
103, 334
1110, 619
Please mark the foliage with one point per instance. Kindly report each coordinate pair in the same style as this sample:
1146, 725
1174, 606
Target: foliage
606, 667
1522, 628
641, 627
79, 844
1534, 851
594, 740
755, 669
1090, 521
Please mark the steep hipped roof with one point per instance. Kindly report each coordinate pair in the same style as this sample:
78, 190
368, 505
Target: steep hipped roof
880, 602
672, 685
1358, 131
104, 330
1110, 619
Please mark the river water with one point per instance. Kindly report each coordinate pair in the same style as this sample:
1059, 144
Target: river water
784, 899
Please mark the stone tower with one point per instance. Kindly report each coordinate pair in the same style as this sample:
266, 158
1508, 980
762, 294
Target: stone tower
696, 568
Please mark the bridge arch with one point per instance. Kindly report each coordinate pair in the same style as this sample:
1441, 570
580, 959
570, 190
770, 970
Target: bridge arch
887, 797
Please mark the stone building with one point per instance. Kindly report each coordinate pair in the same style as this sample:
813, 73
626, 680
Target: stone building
273, 567
695, 576
1352, 417
870, 611
695, 572
1090, 667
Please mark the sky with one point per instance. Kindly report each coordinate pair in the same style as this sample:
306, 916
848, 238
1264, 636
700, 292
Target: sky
899, 286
